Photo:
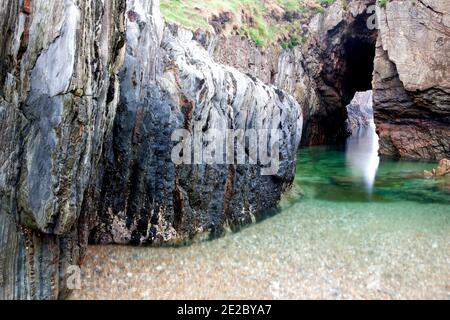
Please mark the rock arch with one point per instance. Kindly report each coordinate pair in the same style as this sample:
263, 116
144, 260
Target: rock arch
343, 52
404, 60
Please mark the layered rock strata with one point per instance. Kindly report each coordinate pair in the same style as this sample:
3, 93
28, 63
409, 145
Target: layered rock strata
149, 199
412, 79
91, 93
58, 91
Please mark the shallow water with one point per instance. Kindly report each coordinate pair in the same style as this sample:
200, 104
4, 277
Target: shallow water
353, 227
356, 173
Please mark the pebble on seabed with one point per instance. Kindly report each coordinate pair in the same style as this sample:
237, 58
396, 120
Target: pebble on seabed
303, 253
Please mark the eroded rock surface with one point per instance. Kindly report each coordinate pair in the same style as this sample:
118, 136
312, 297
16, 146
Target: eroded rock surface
148, 199
411, 79
91, 92
339, 61
58, 94
323, 74
401, 51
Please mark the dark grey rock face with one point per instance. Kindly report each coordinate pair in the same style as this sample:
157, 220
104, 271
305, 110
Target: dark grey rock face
146, 198
58, 99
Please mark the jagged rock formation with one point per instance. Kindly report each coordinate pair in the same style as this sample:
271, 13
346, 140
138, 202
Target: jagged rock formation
339, 61
86, 137
91, 92
412, 79
245, 55
400, 51
360, 111
323, 74
57, 100
406, 44
149, 199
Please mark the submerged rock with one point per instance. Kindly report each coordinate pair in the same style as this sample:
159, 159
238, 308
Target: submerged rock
442, 170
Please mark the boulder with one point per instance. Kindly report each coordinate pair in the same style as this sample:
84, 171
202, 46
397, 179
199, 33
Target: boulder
442, 170
145, 197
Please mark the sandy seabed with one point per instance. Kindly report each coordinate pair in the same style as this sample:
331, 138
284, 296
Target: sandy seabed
312, 250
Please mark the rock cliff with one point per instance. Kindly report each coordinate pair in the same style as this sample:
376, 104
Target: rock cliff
147, 198
399, 50
58, 81
412, 79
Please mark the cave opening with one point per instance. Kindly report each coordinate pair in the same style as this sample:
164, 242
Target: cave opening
362, 142
358, 50
351, 79
348, 59
357, 97
359, 58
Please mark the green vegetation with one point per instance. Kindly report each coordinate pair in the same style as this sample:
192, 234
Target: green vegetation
382, 3
293, 42
326, 3
263, 21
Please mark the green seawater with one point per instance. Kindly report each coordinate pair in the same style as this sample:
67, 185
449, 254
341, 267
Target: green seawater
354, 227
325, 174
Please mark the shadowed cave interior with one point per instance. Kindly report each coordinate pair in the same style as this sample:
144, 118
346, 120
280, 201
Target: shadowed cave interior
350, 72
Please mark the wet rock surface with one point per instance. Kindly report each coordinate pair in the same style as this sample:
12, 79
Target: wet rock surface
442, 170
148, 199
58, 74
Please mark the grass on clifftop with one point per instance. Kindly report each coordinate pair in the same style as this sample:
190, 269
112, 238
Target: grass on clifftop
264, 21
